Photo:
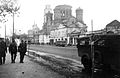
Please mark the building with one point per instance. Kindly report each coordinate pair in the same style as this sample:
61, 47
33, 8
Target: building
67, 27
48, 18
79, 14
44, 37
33, 34
30, 36
44, 33
113, 27
62, 12
47, 9
63, 26
67, 33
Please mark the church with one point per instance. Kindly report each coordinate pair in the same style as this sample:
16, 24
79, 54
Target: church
62, 25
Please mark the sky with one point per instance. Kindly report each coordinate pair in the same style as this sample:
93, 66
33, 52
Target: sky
101, 12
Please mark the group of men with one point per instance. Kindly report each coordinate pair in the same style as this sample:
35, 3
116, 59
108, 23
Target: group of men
13, 49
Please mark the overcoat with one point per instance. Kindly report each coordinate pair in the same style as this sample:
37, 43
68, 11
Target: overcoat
13, 47
3, 48
22, 48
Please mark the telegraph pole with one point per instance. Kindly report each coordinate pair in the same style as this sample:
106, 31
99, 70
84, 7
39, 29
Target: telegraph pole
5, 32
5, 28
13, 25
92, 49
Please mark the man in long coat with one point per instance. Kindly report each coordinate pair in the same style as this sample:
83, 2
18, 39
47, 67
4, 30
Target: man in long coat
3, 51
13, 51
22, 49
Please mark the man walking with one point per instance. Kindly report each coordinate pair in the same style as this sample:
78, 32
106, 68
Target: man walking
3, 51
13, 51
25, 43
22, 49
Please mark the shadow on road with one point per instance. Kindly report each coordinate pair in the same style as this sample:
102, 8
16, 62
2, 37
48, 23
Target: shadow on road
69, 68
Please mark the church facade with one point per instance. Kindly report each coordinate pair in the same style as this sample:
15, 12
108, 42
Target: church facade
62, 25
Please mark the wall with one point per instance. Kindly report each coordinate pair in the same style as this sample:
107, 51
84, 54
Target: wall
44, 39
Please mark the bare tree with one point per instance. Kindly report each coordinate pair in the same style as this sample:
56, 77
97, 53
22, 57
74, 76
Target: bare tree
9, 7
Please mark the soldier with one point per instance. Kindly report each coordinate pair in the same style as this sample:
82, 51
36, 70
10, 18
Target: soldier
25, 47
13, 51
0, 52
3, 51
22, 49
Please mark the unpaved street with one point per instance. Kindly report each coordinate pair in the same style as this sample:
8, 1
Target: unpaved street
69, 52
28, 69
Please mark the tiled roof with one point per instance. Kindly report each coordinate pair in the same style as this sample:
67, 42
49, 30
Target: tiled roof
113, 23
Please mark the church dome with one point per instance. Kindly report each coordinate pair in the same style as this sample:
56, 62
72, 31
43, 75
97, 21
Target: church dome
63, 7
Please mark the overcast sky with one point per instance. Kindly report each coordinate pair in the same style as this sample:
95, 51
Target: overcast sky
101, 12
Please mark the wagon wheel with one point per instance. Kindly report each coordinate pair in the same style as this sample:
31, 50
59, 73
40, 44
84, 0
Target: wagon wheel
86, 61
97, 59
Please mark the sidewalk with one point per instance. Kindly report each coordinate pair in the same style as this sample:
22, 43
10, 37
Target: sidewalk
28, 69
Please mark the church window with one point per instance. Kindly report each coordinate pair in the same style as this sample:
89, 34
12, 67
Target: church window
63, 13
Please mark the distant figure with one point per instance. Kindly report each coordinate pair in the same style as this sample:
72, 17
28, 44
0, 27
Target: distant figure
25, 46
3, 51
78, 46
22, 49
13, 51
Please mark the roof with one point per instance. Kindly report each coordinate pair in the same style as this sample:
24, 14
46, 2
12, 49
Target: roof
113, 23
44, 32
41, 32
79, 8
49, 13
63, 7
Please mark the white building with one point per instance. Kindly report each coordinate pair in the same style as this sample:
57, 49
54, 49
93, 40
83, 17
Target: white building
44, 37
63, 26
68, 34
33, 34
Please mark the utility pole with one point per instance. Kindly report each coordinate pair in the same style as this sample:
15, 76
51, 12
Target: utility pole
5, 28
5, 32
13, 25
92, 49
